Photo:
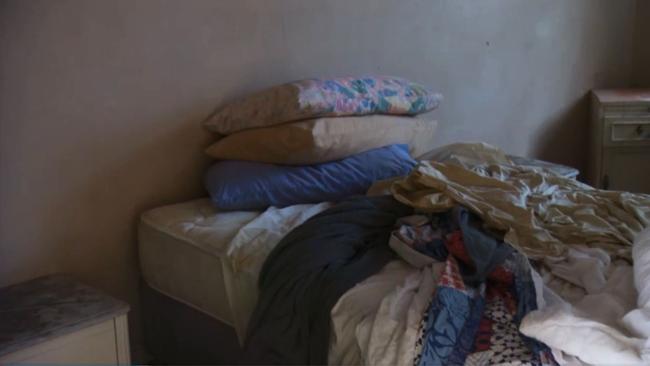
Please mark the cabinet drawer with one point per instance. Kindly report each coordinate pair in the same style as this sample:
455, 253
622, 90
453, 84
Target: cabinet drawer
623, 111
628, 133
93, 345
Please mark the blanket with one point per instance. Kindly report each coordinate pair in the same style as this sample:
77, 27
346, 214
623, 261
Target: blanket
309, 270
541, 214
483, 292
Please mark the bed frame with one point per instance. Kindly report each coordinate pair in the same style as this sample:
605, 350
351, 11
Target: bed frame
175, 333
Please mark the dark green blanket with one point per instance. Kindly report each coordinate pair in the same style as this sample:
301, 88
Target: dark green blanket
309, 270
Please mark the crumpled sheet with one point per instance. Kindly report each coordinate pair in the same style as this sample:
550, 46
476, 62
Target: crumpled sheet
595, 312
541, 213
471, 154
376, 322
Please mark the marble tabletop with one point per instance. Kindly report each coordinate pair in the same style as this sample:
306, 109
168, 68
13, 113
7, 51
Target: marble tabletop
48, 307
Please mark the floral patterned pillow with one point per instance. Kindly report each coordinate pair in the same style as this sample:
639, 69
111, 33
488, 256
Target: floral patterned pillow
312, 98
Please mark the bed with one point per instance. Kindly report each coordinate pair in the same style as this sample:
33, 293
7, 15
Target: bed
202, 266
192, 263
183, 254
181, 251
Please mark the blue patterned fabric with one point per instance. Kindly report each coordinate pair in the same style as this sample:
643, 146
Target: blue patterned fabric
465, 343
482, 296
448, 316
454, 318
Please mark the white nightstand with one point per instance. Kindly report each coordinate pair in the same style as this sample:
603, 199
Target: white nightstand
620, 140
57, 320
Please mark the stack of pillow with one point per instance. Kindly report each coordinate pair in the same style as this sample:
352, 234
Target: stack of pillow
316, 140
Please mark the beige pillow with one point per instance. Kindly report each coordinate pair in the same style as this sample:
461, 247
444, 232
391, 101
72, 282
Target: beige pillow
324, 139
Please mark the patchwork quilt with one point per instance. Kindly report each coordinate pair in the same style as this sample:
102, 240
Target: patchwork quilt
478, 325
483, 292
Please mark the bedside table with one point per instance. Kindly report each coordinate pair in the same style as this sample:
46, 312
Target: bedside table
56, 320
620, 140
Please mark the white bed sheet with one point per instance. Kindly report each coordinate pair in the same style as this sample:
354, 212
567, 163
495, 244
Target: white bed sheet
592, 320
210, 260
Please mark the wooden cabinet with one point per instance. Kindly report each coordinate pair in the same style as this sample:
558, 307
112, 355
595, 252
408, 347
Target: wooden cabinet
620, 140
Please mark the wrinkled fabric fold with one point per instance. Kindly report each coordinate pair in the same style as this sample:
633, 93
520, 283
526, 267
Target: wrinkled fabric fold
541, 214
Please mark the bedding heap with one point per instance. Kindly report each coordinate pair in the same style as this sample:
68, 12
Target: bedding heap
586, 250
483, 289
501, 264
316, 140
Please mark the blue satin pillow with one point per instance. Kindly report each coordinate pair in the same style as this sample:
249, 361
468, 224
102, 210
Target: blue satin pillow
245, 185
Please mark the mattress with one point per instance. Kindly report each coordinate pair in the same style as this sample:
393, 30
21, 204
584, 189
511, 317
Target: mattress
210, 260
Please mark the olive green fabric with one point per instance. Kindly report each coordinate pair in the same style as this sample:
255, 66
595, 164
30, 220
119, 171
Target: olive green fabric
539, 212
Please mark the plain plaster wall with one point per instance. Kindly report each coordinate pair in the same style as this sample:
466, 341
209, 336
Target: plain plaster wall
101, 101
642, 45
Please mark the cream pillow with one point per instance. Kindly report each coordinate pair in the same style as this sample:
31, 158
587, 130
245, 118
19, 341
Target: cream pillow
324, 139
